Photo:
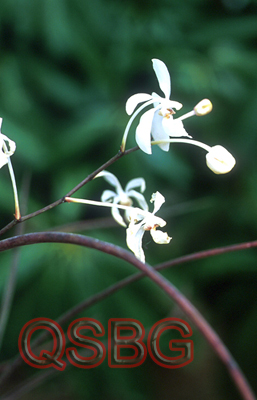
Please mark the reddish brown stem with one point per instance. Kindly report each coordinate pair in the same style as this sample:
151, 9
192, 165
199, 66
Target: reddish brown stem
188, 308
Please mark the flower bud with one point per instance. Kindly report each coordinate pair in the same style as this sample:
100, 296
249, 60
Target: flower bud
203, 108
219, 160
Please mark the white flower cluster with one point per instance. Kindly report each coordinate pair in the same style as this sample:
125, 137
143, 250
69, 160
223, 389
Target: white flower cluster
157, 126
139, 220
159, 123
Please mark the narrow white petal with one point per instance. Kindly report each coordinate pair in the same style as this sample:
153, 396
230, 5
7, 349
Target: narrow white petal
143, 131
163, 76
3, 159
134, 100
160, 237
134, 240
5, 154
137, 182
11, 143
158, 200
158, 133
111, 179
139, 198
118, 218
175, 104
109, 195
166, 103
158, 99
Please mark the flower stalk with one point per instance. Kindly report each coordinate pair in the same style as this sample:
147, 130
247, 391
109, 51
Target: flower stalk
96, 203
218, 159
13, 180
125, 135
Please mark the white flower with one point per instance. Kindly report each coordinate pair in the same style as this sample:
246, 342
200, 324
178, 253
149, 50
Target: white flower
5, 153
123, 197
148, 222
219, 160
157, 121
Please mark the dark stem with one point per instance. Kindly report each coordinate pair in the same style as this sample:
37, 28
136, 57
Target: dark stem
187, 307
70, 193
68, 315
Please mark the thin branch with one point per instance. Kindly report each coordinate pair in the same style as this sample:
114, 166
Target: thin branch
207, 253
70, 193
188, 308
85, 304
9, 226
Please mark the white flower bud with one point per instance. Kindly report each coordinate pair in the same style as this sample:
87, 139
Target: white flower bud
203, 107
219, 160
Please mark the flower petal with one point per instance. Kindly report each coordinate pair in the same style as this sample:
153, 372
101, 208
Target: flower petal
140, 199
134, 240
219, 160
158, 133
137, 182
11, 143
158, 200
163, 76
174, 104
143, 131
151, 221
111, 179
160, 237
166, 103
3, 159
109, 195
158, 99
134, 100
137, 214
173, 127
118, 218
5, 153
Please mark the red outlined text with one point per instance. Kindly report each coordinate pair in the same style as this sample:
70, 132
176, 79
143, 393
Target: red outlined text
126, 347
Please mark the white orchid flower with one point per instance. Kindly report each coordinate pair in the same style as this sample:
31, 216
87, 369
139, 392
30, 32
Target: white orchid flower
141, 220
123, 197
159, 121
148, 222
5, 153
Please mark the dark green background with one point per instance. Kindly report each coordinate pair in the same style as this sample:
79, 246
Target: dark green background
67, 68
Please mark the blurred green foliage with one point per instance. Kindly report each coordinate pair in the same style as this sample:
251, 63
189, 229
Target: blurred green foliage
66, 69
